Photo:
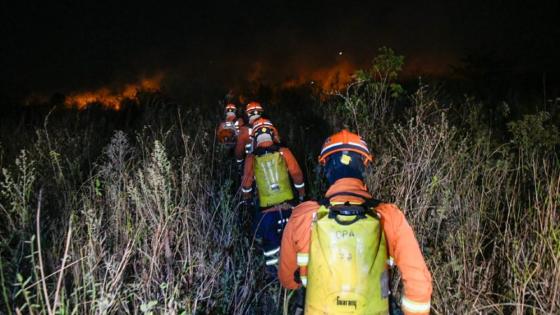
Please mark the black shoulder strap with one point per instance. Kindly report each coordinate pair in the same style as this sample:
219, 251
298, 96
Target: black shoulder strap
369, 203
359, 211
261, 151
258, 151
273, 148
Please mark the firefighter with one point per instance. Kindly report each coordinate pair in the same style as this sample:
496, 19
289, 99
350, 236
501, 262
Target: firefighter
254, 111
271, 167
341, 250
229, 129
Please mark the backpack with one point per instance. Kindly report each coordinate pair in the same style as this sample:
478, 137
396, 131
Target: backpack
227, 133
272, 178
347, 271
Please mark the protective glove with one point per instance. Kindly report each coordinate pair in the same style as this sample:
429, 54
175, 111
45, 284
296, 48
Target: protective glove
299, 303
394, 308
297, 277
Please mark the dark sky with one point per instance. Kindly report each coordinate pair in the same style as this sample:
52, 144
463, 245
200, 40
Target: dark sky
72, 45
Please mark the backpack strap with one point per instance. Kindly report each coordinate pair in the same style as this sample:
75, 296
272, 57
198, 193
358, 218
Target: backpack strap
262, 151
347, 209
358, 211
369, 202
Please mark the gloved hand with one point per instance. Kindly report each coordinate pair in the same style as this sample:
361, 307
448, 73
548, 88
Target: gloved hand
299, 303
300, 297
394, 308
297, 277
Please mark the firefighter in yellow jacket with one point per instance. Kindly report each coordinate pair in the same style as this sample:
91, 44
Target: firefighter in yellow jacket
271, 167
341, 250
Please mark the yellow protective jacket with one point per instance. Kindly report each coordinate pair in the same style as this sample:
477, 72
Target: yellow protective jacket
293, 169
401, 242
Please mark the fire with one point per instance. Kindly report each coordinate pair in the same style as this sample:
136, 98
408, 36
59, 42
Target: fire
329, 79
334, 78
111, 98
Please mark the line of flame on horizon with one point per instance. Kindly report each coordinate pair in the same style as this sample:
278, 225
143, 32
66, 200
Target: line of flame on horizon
329, 79
336, 77
111, 98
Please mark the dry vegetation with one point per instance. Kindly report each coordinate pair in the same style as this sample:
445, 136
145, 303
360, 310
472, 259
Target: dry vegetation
152, 222
486, 213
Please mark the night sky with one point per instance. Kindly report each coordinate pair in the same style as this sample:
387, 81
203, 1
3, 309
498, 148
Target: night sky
75, 45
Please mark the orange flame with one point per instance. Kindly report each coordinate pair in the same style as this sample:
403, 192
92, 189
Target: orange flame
112, 98
329, 79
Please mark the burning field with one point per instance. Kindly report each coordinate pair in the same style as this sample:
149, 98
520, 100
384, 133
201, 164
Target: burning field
111, 97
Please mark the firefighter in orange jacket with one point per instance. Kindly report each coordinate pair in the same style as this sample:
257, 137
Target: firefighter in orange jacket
308, 263
254, 111
229, 129
271, 168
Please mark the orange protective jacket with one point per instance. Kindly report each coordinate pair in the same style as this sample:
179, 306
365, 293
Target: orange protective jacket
293, 168
402, 244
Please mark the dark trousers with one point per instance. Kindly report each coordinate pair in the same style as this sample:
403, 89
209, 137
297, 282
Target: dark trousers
268, 227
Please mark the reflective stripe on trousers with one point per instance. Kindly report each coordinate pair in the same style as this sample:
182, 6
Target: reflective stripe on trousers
271, 256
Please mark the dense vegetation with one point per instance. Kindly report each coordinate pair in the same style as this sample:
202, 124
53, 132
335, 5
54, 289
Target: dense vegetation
138, 211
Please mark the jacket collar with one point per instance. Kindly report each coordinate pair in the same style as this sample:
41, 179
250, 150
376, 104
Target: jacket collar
351, 185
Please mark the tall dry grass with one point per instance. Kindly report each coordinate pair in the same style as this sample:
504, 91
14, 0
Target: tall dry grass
485, 214
154, 227
147, 220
